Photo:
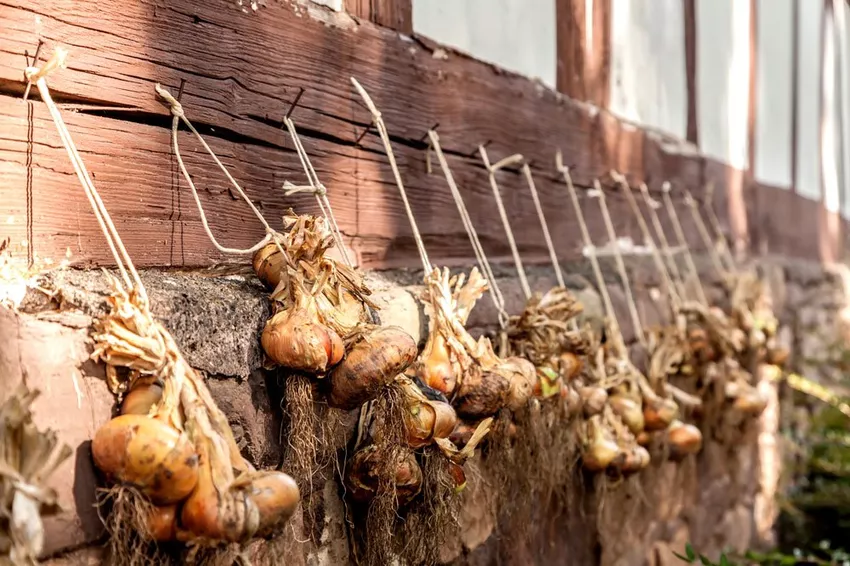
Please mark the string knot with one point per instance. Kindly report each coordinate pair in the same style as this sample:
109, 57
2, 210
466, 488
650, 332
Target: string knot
318, 190
174, 104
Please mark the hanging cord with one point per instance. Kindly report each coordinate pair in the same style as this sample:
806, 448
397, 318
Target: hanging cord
116, 246
591, 250
316, 187
673, 297
556, 265
385, 138
725, 252
706, 238
680, 234
618, 258
179, 115
491, 171
480, 256
673, 266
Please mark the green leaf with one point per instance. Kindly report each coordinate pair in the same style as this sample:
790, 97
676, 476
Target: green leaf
682, 558
705, 560
689, 550
724, 561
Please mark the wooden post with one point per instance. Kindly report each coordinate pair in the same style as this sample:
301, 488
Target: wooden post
584, 49
691, 69
751, 191
395, 14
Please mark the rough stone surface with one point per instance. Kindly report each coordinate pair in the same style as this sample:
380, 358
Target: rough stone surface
721, 498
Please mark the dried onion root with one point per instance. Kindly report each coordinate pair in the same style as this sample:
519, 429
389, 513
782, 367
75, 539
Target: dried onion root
29, 457
180, 453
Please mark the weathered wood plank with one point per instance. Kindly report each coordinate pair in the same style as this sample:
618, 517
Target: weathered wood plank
584, 55
394, 14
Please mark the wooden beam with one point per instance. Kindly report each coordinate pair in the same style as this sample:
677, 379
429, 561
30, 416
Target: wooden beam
754, 210
691, 69
584, 50
120, 50
394, 14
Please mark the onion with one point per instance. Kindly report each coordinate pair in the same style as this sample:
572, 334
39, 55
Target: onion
599, 449
644, 438
269, 265
777, 356
522, 377
628, 410
570, 365
462, 432
458, 475
294, 339
363, 480
482, 393
750, 402
684, 439
593, 400
162, 523
148, 454
434, 367
547, 384
141, 398
636, 459
427, 420
659, 412
372, 362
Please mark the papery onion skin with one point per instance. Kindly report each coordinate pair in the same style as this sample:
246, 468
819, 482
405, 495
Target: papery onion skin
458, 475
629, 410
294, 339
276, 496
522, 378
644, 438
435, 368
162, 523
148, 454
363, 481
141, 399
659, 413
371, 364
750, 402
462, 433
269, 264
599, 449
427, 421
485, 397
570, 366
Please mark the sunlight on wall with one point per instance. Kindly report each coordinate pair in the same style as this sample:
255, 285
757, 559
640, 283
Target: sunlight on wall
518, 35
775, 82
648, 83
723, 53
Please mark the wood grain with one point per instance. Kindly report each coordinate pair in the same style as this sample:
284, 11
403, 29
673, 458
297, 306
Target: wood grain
394, 14
584, 55
242, 72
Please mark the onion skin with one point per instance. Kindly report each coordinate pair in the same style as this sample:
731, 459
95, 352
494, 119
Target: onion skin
659, 413
635, 460
162, 523
435, 368
482, 394
462, 433
629, 410
684, 439
750, 402
148, 454
644, 438
777, 356
141, 399
593, 400
294, 339
599, 450
276, 496
573, 399
458, 474
268, 264
372, 363
429, 420
523, 378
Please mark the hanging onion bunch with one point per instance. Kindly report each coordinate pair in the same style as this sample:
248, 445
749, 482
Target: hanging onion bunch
173, 445
28, 457
468, 372
752, 311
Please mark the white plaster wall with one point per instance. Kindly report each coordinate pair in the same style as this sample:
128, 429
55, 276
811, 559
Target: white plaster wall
808, 110
775, 87
518, 35
722, 79
648, 74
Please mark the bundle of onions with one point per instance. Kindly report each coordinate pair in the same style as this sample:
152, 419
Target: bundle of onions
173, 444
28, 457
542, 335
468, 372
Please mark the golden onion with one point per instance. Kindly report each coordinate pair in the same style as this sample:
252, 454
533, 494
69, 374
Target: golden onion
659, 412
629, 410
294, 339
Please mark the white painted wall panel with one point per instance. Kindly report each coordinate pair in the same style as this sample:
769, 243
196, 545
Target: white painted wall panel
648, 74
518, 35
723, 53
808, 112
775, 84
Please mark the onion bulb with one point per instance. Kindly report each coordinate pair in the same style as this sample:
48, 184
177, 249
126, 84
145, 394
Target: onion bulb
570, 365
572, 398
644, 438
522, 377
427, 420
684, 439
548, 383
593, 400
363, 480
462, 433
435, 367
142, 397
374, 360
269, 265
294, 339
599, 448
750, 402
148, 454
636, 459
162, 523
659, 412
458, 475
482, 393
629, 410
777, 356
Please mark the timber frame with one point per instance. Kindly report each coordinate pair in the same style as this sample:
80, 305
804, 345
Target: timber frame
241, 73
